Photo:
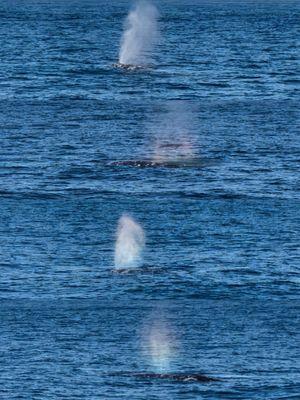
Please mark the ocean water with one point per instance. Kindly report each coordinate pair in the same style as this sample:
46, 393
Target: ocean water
218, 291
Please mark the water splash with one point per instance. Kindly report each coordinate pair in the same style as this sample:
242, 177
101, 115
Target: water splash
141, 33
129, 244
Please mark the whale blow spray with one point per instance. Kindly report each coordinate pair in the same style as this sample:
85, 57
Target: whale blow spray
173, 140
129, 244
160, 347
141, 33
158, 342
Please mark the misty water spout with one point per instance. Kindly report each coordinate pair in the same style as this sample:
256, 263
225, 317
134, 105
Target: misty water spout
130, 243
159, 343
181, 151
160, 348
173, 140
140, 35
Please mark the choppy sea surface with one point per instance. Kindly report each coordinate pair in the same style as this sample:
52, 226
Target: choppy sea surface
218, 292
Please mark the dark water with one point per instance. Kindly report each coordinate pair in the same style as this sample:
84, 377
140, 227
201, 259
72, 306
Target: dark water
221, 273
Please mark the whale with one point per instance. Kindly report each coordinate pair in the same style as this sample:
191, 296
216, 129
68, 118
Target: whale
144, 269
128, 67
180, 377
177, 377
175, 163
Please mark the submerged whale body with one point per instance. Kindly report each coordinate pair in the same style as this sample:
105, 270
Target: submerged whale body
178, 377
144, 269
129, 67
179, 163
181, 377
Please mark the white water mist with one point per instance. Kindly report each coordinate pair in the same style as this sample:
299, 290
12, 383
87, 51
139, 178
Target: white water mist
130, 243
173, 138
160, 347
140, 35
158, 341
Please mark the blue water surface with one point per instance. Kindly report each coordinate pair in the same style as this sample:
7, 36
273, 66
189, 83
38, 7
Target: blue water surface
220, 281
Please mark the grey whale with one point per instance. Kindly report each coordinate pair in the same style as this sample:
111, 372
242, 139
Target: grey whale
177, 377
129, 67
179, 163
180, 377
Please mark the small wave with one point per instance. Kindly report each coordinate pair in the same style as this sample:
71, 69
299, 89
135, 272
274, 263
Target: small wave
215, 84
87, 71
178, 86
292, 81
30, 195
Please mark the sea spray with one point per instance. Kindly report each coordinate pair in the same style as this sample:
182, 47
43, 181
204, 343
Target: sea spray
129, 243
141, 33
